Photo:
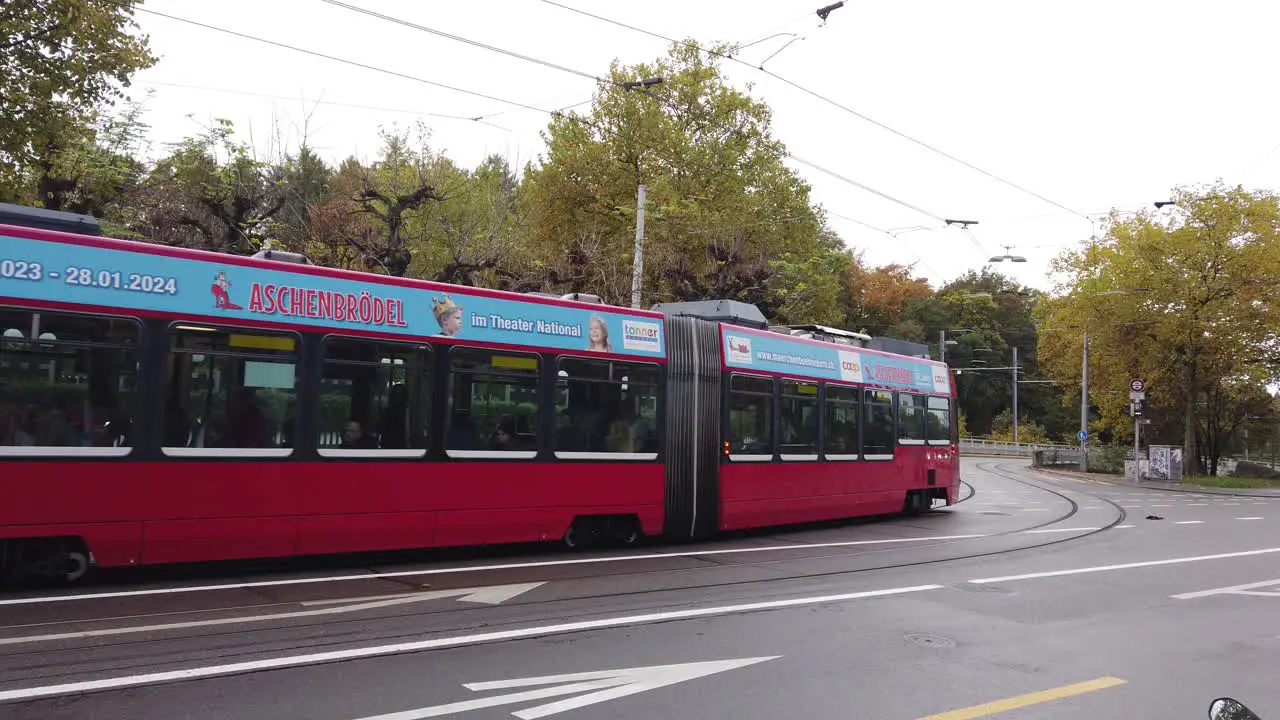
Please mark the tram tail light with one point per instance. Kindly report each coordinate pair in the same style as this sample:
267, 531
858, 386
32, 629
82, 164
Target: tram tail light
726, 449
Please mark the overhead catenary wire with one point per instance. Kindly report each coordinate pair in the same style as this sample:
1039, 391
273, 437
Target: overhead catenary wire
913, 254
867, 188
821, 97
589, 76
345, 61
512, 103
466, 41
332, 103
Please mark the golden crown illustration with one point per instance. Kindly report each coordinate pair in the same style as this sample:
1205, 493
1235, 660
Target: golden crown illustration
443, 306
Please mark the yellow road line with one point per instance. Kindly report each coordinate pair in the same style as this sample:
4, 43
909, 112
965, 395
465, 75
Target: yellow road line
1035, 698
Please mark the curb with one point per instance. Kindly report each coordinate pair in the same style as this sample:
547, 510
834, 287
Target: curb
1166, 487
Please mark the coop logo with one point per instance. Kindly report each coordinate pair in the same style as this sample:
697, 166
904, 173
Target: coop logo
850, 367
739, 349
940, 383
643, 336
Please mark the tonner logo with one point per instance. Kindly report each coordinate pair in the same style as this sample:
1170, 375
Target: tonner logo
637, 335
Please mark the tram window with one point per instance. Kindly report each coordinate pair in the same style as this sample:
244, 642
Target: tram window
911, 419
877, 431
799, 419
373, 398
68, 383
230, 392
606, 408
493, 404
939, 431
841, 439
750, 418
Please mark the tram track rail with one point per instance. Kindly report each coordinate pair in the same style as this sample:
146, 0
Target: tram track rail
48, 663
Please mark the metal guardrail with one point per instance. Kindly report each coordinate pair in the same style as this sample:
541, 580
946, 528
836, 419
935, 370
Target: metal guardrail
994, 447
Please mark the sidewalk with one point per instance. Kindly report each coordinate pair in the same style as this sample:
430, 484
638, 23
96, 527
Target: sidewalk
1161, 485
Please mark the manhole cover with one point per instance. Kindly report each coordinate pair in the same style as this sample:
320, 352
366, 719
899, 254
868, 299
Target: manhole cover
931, 641
992, 512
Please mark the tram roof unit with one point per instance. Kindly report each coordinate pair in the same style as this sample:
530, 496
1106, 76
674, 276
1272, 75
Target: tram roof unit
826, 334
729, 312
49, 220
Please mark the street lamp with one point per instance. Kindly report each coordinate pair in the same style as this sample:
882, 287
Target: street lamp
637, 262
1007, 256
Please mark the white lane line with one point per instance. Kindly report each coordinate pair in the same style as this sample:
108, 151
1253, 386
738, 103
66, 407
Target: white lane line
1091, 507
1035, 509
489, 596
1197, 504
1161, 506
1249, 518
436, 643
1123, 527
473, 568
1188, 522
1247, 589
1126, 566
1059, 530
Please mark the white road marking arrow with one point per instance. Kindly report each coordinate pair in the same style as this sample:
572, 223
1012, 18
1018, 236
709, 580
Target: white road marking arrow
485, 595
600, 686
1247, 589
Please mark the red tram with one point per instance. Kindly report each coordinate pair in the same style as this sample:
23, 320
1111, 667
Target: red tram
160, 405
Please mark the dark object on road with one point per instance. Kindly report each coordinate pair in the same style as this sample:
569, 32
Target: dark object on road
1230, 709
1154, 517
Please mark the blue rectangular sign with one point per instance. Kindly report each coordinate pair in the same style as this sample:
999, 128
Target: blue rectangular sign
178, 286
778, 353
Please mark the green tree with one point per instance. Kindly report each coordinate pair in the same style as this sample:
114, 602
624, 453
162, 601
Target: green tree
304, 184
805, 289
62, 65
1186, 302
473, 236
397, 193
722, 206
213, 193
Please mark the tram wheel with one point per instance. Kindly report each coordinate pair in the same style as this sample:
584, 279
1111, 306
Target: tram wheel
76, 566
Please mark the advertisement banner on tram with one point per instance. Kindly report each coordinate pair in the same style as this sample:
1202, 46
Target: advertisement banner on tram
141, 281
776, 353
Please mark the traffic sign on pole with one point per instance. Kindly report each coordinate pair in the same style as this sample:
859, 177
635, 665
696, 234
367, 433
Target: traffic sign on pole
1083, 435
1137, 385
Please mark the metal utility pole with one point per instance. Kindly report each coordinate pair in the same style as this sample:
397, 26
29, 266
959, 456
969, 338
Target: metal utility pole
1084, 406
1137, 428
942, 345
1015, 396
637, 266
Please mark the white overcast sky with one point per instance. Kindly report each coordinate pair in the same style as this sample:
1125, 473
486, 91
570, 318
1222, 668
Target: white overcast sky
1093, 104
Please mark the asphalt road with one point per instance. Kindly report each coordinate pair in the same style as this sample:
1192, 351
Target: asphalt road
1040, 596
